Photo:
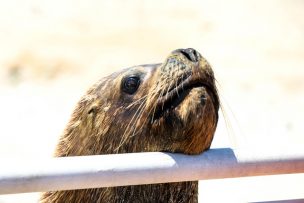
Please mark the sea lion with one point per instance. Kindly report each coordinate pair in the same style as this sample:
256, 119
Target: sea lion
167, 107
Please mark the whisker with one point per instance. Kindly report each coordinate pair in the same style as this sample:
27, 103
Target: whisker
135, 102
124, 136
229, 127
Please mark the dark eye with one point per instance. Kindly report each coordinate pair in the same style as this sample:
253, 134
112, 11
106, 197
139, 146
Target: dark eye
130, 84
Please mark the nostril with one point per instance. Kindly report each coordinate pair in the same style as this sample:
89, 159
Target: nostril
191, 54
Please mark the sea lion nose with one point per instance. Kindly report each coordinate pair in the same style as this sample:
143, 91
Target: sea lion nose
191, 54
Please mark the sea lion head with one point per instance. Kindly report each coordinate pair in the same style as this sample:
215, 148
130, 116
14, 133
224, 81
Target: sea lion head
171, 107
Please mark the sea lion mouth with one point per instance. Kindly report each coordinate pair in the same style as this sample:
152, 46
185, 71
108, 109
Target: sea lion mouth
174, 96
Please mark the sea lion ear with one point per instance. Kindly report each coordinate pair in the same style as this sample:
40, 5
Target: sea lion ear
92, 110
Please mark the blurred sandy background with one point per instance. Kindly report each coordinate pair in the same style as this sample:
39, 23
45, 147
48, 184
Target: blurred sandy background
52, 51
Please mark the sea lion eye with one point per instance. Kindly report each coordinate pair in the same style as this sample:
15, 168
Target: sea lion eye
130, 84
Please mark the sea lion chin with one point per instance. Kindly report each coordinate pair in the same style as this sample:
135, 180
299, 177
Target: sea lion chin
169, 107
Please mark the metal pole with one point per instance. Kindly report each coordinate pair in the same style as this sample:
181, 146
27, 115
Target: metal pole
20, 176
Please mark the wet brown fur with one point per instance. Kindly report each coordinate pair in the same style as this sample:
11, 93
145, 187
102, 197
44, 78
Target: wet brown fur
107, 121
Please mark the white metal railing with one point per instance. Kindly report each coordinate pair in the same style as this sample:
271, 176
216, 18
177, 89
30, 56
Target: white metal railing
20, 176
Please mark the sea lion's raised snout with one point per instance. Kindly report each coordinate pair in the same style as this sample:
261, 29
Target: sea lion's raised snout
185, 71
186, 100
